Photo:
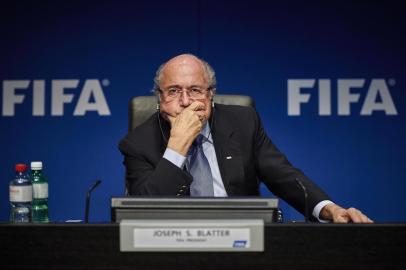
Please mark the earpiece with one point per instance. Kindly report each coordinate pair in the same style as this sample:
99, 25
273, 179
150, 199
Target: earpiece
158, 102
160, 125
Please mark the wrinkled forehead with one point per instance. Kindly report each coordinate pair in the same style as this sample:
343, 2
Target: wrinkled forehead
184, 72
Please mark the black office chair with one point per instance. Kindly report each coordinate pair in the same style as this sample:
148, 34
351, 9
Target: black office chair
142, 107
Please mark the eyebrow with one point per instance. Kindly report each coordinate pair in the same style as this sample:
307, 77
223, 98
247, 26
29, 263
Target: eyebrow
173, 86
179, 86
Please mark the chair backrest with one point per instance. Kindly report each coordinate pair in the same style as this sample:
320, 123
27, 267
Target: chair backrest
142, 107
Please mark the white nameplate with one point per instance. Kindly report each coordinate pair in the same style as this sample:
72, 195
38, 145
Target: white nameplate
192, 235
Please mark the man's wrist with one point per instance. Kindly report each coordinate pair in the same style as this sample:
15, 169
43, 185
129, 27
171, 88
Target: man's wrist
317, 210
179, 145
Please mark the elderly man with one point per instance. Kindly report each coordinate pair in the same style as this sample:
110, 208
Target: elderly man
194, 147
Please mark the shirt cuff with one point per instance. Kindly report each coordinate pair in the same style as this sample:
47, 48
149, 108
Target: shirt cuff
174, 157
317, 210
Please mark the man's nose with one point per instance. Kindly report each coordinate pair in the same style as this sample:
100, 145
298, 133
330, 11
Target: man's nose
185, 100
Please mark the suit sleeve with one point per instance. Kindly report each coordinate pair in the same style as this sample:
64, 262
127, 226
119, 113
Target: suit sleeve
279, 174
147, 178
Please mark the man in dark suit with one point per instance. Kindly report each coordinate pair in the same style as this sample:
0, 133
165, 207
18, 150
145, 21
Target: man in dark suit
194, 147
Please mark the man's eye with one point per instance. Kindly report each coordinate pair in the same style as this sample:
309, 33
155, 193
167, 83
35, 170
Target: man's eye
196, 90
172, 92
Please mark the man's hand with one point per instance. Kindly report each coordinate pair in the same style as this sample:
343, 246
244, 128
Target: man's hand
340, 215
185, 127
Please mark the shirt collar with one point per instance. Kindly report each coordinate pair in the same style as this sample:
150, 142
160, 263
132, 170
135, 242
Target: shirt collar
206, 132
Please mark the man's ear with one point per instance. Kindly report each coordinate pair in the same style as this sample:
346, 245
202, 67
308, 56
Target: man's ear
212, 92
211, 97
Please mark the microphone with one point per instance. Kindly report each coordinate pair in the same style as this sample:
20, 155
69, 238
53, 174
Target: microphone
300, 184
92, 187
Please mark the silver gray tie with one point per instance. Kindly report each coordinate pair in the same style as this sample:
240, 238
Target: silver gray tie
199, 168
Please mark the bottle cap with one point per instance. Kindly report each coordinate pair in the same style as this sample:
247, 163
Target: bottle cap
21, 167
36, 165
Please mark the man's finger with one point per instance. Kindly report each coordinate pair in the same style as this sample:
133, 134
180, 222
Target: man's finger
341, 219
340, 215
357, 216
364, 218
197, 106
201, 116
354, 215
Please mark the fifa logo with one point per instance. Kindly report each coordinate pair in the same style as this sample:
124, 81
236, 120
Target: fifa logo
91, 97
378, 97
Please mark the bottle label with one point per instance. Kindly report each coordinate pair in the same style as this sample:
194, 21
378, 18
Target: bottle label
40, 190
20, 193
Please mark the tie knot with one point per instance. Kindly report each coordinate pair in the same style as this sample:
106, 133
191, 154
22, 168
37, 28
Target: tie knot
198, 141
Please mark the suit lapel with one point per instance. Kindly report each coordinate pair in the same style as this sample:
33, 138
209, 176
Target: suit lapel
228, 153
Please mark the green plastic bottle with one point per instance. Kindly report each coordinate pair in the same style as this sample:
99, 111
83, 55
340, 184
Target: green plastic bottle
40, 194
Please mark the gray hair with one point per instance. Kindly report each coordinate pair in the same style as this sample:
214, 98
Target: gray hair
209, 71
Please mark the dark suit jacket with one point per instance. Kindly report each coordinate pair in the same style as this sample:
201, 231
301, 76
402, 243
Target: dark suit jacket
237, 132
